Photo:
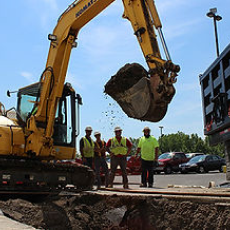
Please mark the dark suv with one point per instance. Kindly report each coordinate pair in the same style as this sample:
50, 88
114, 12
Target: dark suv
169, 162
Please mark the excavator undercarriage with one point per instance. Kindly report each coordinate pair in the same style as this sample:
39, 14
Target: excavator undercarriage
28, 176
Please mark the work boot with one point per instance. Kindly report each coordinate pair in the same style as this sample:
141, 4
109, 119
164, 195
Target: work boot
110, 182
126, 186
150, 185
143, 185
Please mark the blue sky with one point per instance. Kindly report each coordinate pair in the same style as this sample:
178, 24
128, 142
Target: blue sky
105, 45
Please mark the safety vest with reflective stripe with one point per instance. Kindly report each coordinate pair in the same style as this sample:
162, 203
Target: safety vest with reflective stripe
102, 152
88, 148
118, 148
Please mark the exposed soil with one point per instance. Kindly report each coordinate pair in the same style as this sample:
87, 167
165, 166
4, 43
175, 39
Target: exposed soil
125, 78
94, 211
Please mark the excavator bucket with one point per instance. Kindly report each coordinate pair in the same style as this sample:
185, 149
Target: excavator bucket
139, 95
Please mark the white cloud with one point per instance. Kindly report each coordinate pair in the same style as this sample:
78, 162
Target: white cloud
52, 4
72, 78
169, 5
183, 28
45, 11
186, 108
186, 87
28, 76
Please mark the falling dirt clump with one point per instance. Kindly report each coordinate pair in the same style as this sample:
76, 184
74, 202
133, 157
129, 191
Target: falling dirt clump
96, 211
125, 78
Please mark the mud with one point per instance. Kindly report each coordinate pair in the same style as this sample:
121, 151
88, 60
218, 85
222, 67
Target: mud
125, 78
94, 211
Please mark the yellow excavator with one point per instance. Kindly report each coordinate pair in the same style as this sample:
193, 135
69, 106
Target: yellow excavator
42, 130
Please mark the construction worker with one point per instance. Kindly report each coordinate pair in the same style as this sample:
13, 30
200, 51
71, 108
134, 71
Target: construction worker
87, 147
99, 159
149, 147
119, 148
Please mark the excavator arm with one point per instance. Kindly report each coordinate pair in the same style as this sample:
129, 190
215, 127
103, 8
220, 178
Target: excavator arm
148, 95
143, 16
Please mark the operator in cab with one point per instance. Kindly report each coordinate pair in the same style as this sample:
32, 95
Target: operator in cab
87, 147
149, 148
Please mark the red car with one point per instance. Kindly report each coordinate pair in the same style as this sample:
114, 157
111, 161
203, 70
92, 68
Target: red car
133, 165
169, 162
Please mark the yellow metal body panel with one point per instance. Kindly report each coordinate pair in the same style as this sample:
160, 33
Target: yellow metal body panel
12, 142
12, 138
63, 153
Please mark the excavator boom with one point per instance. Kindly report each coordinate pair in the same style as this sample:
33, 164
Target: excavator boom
147, 95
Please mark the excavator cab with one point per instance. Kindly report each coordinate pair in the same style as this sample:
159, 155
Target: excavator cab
66, 124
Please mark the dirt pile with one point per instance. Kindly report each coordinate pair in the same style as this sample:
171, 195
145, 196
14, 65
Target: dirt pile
94, 211
125, 78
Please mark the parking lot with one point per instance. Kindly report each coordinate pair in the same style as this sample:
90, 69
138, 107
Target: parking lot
191, 179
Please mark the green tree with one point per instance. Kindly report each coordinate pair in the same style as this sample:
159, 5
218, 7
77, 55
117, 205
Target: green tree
182, 142
134, 142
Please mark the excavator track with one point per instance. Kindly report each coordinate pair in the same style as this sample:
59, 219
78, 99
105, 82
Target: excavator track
26, 176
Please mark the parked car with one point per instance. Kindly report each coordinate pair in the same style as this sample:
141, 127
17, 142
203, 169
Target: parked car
169, 162
191, 155
203, 163
133, 165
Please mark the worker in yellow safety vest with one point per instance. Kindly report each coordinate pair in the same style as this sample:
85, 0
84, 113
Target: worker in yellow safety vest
149, 147
119, 148
87, 147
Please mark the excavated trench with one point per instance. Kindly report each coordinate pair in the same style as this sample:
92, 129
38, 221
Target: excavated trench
113, 212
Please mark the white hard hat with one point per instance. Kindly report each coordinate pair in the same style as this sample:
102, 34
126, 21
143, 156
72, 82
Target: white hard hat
117, 129
97, 133
88, 128
146, 128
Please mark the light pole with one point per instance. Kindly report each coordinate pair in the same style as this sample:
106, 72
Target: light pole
212, 14
161, 128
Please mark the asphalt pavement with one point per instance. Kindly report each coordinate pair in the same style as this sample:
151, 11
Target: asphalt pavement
191, 179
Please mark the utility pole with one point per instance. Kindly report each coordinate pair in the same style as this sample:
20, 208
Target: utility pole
161, 128
212, 14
